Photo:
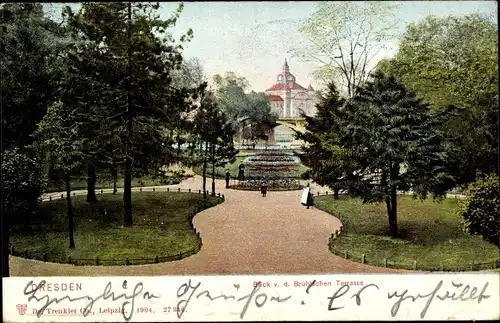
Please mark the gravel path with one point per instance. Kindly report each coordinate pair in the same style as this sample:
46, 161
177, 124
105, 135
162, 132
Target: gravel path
247, 234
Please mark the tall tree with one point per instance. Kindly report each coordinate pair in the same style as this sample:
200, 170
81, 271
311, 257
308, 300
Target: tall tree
204, 125
452, 64
190, 76
85, 96
395, 144
384, 140
29, 45
223, 151
322, 151
142, 108
22, 186
343, 39
57, 132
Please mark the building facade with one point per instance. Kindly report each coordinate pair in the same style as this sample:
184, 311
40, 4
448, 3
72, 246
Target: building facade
289, 100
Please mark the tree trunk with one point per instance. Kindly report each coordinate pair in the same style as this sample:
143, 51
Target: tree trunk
388, 202
393, 219
127, 193
91, 179
204, 172
389, 211
213, 170
178, 145
70, 214
336, 193
393, 215
5, 245
114, 174
127, 178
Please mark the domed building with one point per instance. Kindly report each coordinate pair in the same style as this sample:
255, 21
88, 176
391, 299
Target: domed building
288, 98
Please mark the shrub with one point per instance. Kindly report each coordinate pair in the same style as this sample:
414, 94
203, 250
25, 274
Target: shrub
480, 209
22, 185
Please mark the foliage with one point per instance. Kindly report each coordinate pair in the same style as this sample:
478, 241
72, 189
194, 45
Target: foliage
481, 209
30, 43
137, 109
394, 143
381, 141
259, 114
322, 152
22, 185
215, 137
456, 55
57, 133
190, 75
452, 64
344, 38
245, 110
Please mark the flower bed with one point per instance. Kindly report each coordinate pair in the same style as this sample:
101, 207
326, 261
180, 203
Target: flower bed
271, 159
273, 184
270, 164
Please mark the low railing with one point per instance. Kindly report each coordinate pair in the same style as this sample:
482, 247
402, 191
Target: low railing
412, 265
100, 261
60, 195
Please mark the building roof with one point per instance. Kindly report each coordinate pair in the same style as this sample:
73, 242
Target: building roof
274, 98
284, 86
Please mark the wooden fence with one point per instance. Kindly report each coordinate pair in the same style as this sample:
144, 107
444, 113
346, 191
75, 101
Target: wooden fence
414, 265
99, 261
61, 195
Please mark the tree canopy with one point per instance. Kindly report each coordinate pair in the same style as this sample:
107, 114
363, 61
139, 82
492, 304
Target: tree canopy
451, 63
251, 109
344, 38
381, 141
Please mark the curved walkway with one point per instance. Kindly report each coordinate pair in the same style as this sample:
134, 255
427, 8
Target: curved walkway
247, 234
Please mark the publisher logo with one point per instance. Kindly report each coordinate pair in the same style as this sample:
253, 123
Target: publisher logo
22, 308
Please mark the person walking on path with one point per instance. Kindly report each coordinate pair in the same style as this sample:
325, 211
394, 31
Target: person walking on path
228, 178
307, 197
310, 200
263, 189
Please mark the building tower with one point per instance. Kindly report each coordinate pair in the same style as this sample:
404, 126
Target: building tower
287, 112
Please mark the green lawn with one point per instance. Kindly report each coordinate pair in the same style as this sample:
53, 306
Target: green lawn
429, 234
162, 227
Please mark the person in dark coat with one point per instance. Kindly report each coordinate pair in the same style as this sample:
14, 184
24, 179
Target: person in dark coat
228, 178
310, 200
241, 172
263, 189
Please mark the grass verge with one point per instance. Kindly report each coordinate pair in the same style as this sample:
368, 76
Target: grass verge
429, 231
162, 227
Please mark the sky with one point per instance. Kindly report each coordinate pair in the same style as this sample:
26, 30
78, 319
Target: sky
253, 39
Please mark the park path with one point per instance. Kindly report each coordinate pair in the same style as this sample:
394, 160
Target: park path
246, 234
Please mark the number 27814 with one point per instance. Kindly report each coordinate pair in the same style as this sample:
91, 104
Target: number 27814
169, 309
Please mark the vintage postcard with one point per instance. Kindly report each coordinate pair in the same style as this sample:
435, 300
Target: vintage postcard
250, 161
